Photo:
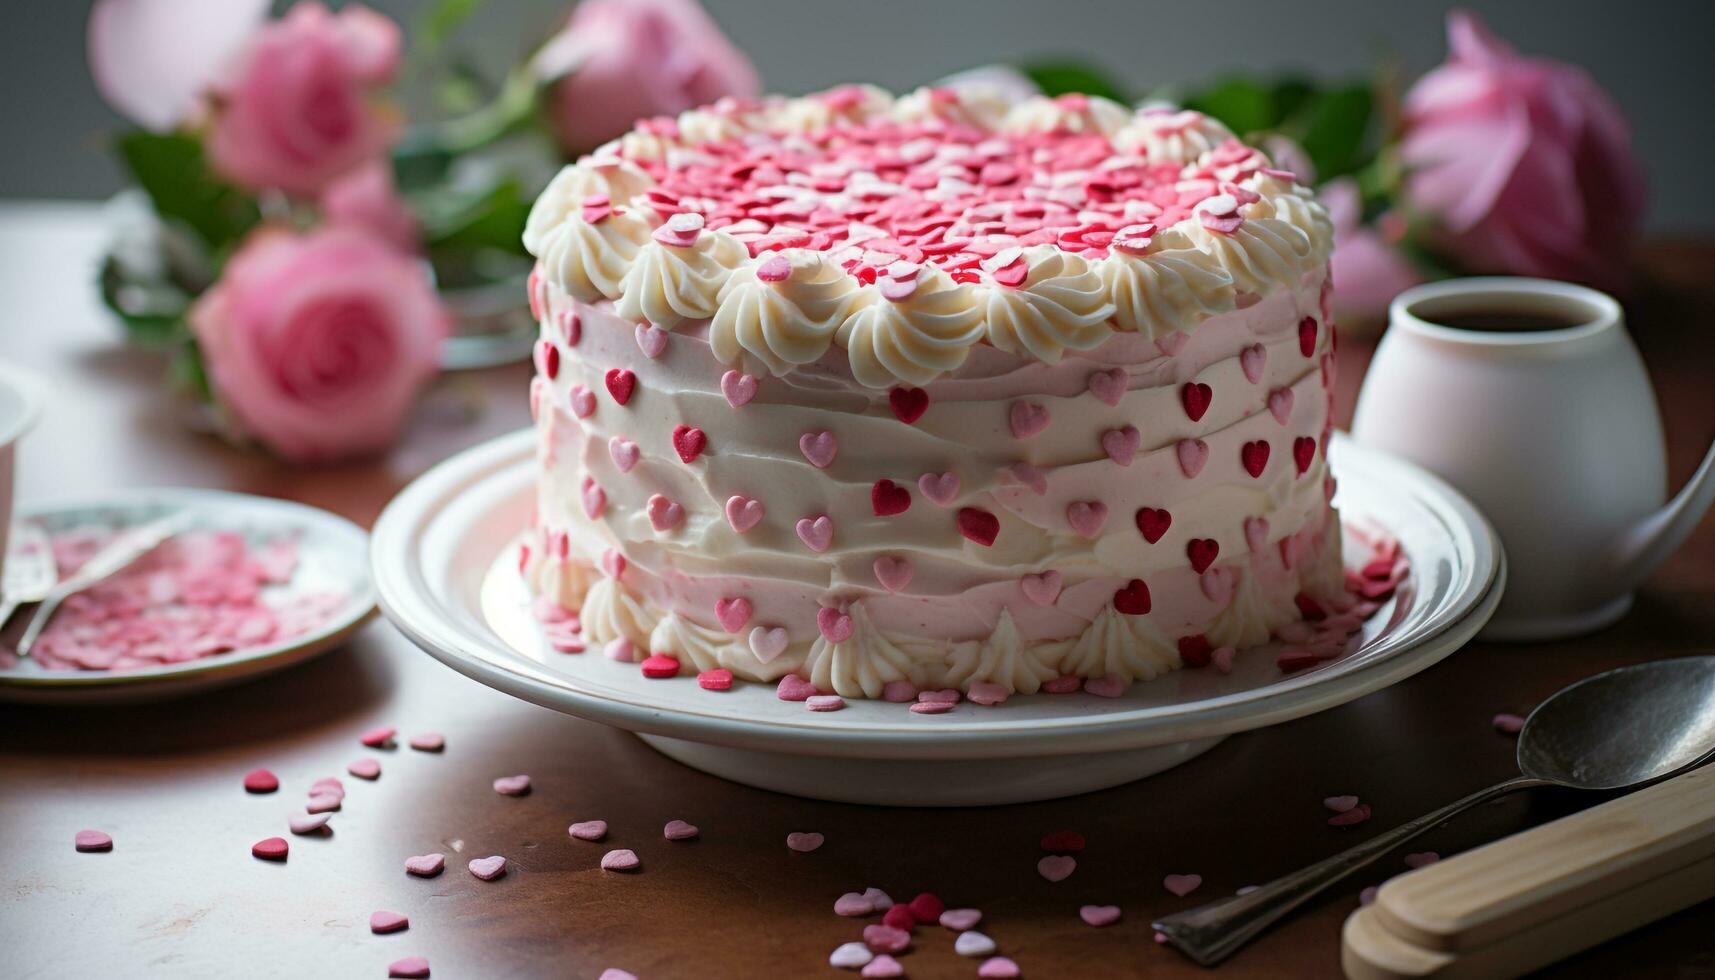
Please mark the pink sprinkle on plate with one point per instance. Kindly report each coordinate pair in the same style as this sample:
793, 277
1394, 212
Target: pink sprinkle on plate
488, 868
260, 781
425, 865
1182, 885
853, 905
680, 830
1356, 815
588, 829
1099, 915
804, 843
882, 938
429, 742
620, 860
379, 738
931, 707
409, 968
89, 841
308, 823
883, 967
719, 679
270, 849
960, 920
324, 802
512, 785
383, 921
1057, 867
998, 968
365, 768
824, 702
850, 956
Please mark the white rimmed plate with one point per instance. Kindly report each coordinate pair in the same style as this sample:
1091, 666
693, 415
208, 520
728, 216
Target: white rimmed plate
445, 569
332, 555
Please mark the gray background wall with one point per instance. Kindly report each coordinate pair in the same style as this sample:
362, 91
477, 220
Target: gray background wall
1653, 56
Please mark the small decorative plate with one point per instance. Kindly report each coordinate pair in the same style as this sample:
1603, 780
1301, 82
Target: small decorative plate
331, 558
445, 567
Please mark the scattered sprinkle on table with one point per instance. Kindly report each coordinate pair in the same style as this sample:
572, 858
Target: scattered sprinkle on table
959, 920
615, 973
1340, 804
92, 840
1099, 915
1356, 815
621, 859
429, 742
365, 768
1508, 724
853, 905
1057, 867
926, 908
997, 968
270, 849
512, 785
384, 921
260, 781
409, 968
679, 830
850, 956
325, 802
307, 823
488, 868
973, 944
899, 917
882, 967
884, 938
1182, 885
804, 843
425, 865
379, 738
588, 829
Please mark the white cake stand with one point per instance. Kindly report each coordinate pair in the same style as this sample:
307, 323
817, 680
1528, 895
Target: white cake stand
445, 568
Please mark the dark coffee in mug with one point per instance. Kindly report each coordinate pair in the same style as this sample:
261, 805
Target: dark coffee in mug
1501, 319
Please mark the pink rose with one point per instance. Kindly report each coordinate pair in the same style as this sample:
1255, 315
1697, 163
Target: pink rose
1525, 162
298, 110
365, 198
1368, 270
154, 60
317, 343
631, 59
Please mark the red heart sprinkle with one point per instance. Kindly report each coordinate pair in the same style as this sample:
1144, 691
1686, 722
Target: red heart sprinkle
1202, 552
384, 922
926, 908
1255, 457
548, 359
689, 442
1196, 397
1303, 452
658, 665
1133, 600
899, 917
1195, 650
908, 404
409, 968
1310, 608
1153, 523
1307, 336
1063, 841
979, 525
719, 679
270, 849
92, 840
378, 738
620, 384
889, 498
260, 781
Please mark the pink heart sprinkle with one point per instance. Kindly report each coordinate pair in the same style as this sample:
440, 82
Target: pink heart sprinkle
1099, 915
260, 781
941, 488
1252, 360
836, 626
651, 340
92, 840
624, 452
1218, 583
897, 290
1421, 859
945, 696
1041, 588
739, 388
997, 968
853, 905
365, 768
1356, 815
307, 823
1106, 686
987, 693
384, 922
488, 868
850, 956
819, 448
1182, 885
1029, 476
1508, 724
794, 688
1368, 895
1222, 658
512, 785
775, 268
664, 514
679, 830
595, 500
893, 573
620, 649
1087, 517
588, 829
824, 702
1280, 404
429, 742
882, 938
1064, 684
1170, 345
612, 562
409, 968
1193, 453
583, 402
379, 738
1340, 804
1027, 419
425, 865
767, 642
899, 692
1056, 867
804, 843
324, 802
1109, 386
733, 613
959, 920
743, 513
270, 849
883, 967
1122, 444
931, 707
1256, 534
817, 533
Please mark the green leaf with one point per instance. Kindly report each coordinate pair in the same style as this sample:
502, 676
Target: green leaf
188, 373
170, 168
492, 219
152, 311
1061, 77
1245, 105
444, 18
1336, 129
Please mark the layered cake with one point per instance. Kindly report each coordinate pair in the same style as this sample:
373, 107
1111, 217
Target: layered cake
931, 392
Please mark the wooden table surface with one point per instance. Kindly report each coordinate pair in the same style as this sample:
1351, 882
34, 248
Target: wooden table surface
180, 894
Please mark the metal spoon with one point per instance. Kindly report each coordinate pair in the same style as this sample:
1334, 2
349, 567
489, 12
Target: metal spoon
1621, 730
126, 547
30, 571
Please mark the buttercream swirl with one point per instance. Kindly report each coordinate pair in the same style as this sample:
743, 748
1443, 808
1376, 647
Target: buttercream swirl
1248, 619
711, 649
590, 261
669, 284
1115, 643
1167, 134
1004, 658
621, 180
785, 322
1173, 286
1260, 254
1089, 114
610, 613
1297, 206
913, 339
566, 581
863, 663
1061, 303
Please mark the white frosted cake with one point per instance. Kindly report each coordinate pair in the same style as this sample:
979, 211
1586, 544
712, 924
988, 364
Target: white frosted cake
887, 395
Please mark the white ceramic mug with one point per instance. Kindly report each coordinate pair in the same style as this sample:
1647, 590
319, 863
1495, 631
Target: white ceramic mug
19, 405
1554, 433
